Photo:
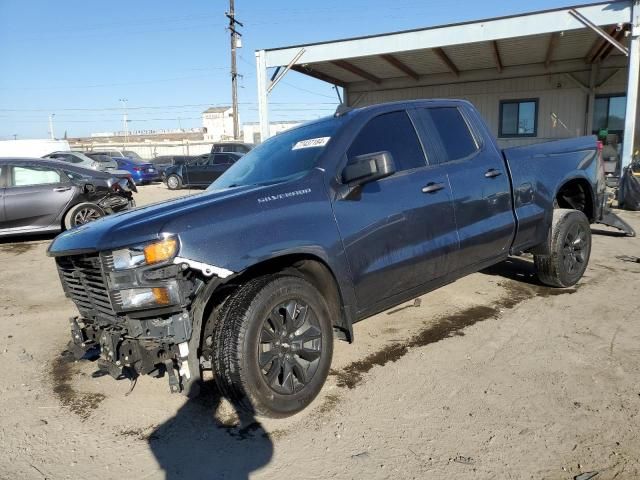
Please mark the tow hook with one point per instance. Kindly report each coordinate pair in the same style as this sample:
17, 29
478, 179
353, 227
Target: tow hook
79, 344
174, 381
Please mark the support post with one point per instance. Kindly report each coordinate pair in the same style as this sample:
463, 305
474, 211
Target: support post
591, 99
263, 106
632, 87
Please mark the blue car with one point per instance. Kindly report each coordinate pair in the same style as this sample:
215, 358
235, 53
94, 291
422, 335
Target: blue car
141, 172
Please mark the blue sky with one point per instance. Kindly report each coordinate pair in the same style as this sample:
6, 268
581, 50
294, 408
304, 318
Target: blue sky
170, 59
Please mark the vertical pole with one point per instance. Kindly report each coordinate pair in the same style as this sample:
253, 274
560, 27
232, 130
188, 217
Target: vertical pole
125, 122
234, 71
51, 134
632, 86
591, 99
263, 106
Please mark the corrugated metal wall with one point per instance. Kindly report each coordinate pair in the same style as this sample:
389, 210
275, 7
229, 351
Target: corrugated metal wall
557, 94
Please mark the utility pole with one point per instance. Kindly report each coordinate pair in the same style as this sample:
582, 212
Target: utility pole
235, 35
52, 135
125, 121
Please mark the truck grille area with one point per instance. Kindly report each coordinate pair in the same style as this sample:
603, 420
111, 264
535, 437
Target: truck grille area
83, 281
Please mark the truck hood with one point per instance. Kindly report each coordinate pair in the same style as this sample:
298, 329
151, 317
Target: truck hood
140, 225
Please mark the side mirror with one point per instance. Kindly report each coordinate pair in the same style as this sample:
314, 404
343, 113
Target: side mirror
368, 168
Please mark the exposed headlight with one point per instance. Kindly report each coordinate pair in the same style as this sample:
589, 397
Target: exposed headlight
145, 254
134, 298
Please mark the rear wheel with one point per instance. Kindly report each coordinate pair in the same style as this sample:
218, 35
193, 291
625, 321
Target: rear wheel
174, 182
272, 345
81, 214
569, 250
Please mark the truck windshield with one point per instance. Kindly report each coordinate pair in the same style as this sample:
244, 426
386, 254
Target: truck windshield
283, 157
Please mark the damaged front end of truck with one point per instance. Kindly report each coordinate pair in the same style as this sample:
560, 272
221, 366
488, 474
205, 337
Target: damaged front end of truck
138, 310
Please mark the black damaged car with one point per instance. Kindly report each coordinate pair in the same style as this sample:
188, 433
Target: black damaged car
39, 196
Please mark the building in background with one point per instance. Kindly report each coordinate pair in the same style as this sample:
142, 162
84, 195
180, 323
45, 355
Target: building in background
251, 131
217, 123
534, 77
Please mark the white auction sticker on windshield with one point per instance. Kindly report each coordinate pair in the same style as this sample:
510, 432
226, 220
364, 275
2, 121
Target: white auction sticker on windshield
311, 143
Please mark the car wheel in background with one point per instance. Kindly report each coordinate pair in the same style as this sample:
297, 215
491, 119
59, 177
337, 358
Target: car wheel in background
81, 214
174, 182
272, 345
569, 250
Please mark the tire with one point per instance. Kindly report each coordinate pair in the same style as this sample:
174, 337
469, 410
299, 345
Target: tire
81, 214
570, 249
256, 367
174, 182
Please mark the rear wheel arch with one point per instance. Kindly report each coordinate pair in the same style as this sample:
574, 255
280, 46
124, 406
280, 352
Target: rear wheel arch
576, 194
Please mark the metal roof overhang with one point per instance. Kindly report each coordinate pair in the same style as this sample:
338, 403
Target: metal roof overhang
564, 40
544, 38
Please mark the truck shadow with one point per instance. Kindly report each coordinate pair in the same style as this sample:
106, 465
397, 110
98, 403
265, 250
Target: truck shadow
515, 268
196, 445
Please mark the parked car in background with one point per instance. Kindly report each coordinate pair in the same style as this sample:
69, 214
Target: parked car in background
201, 172
141, 172
232, 147
122, 153
165, 161
43, 195
101, 162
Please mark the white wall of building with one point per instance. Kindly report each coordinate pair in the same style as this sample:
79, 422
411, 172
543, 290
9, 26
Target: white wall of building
218, 124
31, 148
150, 150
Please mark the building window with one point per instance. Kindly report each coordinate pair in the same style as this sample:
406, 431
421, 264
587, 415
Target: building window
609, 112
519, 118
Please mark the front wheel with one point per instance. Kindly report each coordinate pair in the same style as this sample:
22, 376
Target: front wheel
272, 345
174, 182
81, 214
569, 252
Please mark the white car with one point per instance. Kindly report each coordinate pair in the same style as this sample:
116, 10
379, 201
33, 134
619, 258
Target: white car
102, 163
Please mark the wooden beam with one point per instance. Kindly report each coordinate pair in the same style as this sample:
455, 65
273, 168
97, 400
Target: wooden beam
350, 67
446, 60
608, 47
553, 43
319, 75
598, 45
393, 61
496, 56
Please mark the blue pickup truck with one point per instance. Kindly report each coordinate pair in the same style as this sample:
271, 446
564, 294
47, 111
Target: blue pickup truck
313, 230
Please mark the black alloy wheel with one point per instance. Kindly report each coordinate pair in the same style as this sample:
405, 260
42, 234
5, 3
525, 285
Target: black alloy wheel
573, 250
290, 346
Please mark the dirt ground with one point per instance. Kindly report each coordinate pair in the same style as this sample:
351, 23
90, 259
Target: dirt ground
494, 376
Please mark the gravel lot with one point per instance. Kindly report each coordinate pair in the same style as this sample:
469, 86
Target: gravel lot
493, 376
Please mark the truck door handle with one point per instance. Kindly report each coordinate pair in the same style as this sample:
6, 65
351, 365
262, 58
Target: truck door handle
432, 187
62, 189
492, 172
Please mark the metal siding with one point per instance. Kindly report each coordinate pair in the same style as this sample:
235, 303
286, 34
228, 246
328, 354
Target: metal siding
556, 93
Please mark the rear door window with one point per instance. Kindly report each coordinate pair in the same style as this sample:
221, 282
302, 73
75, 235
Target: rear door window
29, 176
394, 133
452, 131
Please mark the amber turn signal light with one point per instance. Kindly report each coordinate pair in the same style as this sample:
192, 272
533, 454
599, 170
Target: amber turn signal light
161, 251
